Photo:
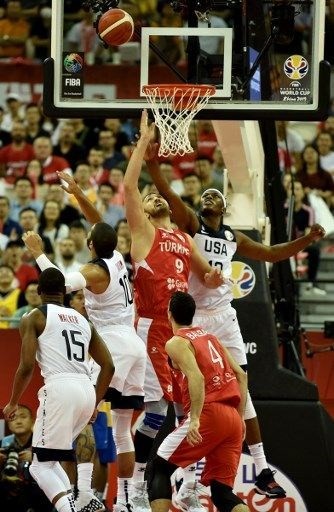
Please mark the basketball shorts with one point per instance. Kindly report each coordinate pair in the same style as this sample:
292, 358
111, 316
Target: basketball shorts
158, 378
224, 324
221, 431
66, 404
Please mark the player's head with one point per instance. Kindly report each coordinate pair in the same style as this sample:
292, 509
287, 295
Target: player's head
51, 282
102, 240
156, 206
181, 308
213, 203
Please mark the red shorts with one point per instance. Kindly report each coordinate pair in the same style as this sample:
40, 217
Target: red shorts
221, 431
158, 378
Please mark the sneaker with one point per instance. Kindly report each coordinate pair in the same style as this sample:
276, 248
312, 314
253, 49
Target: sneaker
187, 499
266, 484
139, 498
122, 507
88, 502
314, 290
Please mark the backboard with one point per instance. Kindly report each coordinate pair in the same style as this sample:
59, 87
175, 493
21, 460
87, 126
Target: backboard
251, 51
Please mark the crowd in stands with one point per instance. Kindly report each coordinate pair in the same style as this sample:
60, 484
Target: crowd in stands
96, 152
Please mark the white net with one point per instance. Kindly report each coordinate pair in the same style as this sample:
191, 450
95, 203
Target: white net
174, 107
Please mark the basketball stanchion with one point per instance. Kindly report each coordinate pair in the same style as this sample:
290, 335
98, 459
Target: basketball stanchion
174, 106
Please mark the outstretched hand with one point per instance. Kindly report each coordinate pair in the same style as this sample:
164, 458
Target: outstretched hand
72, 187
9, 411
33, 242
214, 278
146, 131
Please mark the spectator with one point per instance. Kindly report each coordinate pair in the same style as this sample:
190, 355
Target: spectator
111, 213
204, 169
9, 295
291, 145
303, 218
82, 176
28, 221
33, 123
122, 138
21, 493
116, 177
68, 213
122, 228
14, 257
5, 137
50, 225
85, 135
67, 146
175, 184
218, 165
33, 300
50, 163
324, 144
14, 111
23, 192
313, 177
15, 156
14, 31
8, 226
66, 260
78, 234
107, 141
95, 159
33, 172
82, 37
40, 34
206, 137
192, 191
329, 126
123, 246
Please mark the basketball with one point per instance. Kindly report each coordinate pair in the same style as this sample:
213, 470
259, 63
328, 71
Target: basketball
115, 27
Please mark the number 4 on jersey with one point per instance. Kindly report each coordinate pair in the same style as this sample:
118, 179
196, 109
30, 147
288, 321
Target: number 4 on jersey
215, 356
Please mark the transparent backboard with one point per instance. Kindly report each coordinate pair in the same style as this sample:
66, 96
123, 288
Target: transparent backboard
244, 48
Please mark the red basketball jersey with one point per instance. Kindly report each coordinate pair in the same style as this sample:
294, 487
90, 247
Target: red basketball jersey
164, 271
221, 384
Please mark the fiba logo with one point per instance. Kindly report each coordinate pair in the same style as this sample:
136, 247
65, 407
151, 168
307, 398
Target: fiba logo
243, 279
73, 63
296, 67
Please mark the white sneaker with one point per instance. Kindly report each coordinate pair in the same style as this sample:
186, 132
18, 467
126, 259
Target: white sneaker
139, 497
315, 291
88, 502
187, 499
122, 507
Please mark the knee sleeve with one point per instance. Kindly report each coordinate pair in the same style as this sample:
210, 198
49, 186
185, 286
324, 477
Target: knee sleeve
50, 477
122, 419
223, 497
249, 409
158, 484
155, 414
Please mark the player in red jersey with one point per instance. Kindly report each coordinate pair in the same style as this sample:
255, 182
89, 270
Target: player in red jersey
214, 397
162, 257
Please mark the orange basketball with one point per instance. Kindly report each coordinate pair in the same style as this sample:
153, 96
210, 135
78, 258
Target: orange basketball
115, 27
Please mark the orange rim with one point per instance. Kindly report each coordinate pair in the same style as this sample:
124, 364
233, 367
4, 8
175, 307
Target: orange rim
175, 90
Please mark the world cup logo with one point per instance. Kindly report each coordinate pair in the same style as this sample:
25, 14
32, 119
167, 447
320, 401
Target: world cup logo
73, 63
243, 279
296, 67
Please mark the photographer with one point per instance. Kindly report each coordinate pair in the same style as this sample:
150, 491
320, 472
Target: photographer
18, 491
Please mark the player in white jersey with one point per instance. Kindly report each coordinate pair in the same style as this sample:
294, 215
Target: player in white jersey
61, 340
217, 242
109, 305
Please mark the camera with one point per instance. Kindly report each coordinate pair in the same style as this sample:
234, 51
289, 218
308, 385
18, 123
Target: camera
11, 464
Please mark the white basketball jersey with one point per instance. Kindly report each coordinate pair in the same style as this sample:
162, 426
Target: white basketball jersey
64, 343
115, 305
218, 248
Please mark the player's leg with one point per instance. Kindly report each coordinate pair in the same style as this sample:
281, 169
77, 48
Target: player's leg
226, 327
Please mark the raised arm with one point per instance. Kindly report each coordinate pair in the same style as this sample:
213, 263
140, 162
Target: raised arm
139, 224
88, 209
182, 215
257, 251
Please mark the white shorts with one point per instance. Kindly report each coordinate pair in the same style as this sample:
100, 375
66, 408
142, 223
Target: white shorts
224, 324
129, 356
66, 404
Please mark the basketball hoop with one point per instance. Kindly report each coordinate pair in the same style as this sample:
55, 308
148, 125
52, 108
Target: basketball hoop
174, 106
